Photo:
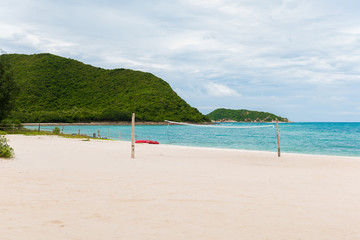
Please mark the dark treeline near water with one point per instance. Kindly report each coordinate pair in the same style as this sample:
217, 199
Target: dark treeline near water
244, 115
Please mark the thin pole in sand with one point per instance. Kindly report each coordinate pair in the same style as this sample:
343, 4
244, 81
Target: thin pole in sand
277, 135
133, 136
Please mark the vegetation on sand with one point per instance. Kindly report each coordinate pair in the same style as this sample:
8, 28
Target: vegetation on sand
5, 150
56, 130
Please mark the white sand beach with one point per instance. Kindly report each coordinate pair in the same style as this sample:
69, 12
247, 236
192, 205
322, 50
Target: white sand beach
57, 188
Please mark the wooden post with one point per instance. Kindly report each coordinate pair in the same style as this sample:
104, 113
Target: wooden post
133, 136
79, 132
99, 134
13, 128
277, 135
39, 128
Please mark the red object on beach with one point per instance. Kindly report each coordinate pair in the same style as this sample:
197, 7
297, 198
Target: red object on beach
146, 141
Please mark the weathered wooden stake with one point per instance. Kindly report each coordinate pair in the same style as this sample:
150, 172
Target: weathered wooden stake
39, 128
133, 136
277, 135
99, 134
79, 132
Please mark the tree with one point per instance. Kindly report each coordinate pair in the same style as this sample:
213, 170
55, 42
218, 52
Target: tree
8, 89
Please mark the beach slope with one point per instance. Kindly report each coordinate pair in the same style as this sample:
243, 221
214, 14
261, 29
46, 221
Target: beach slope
57, 188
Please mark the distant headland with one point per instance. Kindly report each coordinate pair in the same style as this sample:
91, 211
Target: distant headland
243, 115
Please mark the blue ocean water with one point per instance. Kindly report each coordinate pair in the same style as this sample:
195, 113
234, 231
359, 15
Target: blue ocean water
341, 139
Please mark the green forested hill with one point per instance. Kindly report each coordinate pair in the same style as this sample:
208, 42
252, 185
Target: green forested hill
243, 115
57, 89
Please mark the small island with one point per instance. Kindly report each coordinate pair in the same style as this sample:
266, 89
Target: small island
243, 115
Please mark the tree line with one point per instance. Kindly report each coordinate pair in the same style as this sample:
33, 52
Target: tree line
57, 89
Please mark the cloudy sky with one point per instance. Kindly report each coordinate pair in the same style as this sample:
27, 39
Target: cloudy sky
298, 59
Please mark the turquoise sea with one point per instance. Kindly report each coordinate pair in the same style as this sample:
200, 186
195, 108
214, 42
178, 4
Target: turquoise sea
325, 138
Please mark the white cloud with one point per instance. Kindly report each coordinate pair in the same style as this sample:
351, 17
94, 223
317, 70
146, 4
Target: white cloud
220, 90
338, 99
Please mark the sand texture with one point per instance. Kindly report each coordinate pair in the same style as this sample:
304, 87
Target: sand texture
57, 188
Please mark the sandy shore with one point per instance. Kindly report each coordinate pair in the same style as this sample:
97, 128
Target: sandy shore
59, 188
107, 123
93, 123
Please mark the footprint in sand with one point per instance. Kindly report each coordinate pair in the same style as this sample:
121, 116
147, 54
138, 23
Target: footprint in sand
58, 222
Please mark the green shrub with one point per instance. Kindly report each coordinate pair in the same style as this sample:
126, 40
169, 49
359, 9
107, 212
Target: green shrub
10, 125
5, 150
56, 130
112, 114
